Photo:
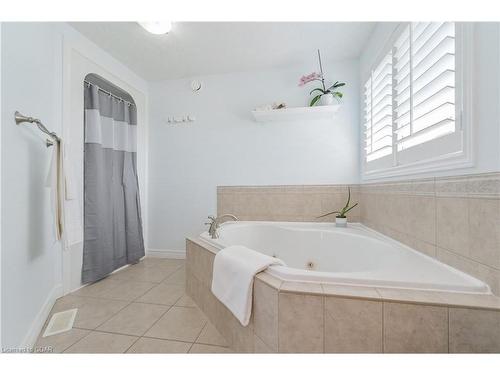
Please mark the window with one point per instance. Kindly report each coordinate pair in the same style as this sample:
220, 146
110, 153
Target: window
378, 116
413, 99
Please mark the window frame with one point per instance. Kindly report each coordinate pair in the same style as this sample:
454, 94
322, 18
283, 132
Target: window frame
387, 166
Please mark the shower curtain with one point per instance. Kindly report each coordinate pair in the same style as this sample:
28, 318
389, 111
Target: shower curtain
112, 218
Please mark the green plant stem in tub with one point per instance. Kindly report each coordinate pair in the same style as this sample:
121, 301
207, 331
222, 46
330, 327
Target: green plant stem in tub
342, 213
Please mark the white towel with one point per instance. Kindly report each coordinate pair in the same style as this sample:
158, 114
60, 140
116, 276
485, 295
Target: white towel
54, 182
64, 202
232, 281
72, 213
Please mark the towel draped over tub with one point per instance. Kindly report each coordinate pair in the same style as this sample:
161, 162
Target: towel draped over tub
232, 281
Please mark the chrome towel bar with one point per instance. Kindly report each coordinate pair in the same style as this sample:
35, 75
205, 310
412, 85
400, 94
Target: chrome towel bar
20, 118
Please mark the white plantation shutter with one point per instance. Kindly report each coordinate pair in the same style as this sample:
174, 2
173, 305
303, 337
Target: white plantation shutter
414, 119
402, 85
432, 83
378, 111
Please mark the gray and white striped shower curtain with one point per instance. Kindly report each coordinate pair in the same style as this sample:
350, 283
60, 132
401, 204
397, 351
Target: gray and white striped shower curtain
112, 217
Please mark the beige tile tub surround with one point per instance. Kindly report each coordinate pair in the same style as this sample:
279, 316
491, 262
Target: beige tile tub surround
412, 328
301, 323
326, 318
285, 203
353, 325
456, 219
474, 331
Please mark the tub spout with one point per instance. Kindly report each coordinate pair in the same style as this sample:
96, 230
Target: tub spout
215, 222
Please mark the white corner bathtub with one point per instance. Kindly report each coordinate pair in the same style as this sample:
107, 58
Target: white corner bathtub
356, 255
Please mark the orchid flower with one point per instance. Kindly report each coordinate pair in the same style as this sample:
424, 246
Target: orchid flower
309, 78
323, 90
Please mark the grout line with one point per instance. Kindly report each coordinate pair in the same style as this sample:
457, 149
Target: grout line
199, 334
110, 333
204, 343
176, 340
157, 320
77, 341
128, 303
126, 350
116, 333
113, 315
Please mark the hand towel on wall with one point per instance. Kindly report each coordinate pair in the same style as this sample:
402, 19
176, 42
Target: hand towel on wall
65, 205
54, 182
72, 213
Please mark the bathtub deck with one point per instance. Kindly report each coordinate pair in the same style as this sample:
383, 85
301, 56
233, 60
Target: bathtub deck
291, 317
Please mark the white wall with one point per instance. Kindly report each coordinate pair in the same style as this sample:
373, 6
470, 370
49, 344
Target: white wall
485, 87
224, 146
31, 79
32, 82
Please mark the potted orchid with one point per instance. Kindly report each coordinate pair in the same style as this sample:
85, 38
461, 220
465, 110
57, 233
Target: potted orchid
324, 95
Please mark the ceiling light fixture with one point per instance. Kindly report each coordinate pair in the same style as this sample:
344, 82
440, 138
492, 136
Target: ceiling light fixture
157, 27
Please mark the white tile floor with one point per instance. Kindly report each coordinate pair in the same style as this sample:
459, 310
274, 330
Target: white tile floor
141, 309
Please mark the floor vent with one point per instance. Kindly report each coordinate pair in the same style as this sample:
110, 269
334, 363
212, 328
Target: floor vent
60, 322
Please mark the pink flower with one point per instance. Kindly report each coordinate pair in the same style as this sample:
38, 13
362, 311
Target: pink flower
309, 78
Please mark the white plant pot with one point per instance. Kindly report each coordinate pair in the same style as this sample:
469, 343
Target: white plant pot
326, 99
341, 222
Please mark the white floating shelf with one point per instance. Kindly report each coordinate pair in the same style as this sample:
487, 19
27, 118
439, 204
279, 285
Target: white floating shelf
297, 113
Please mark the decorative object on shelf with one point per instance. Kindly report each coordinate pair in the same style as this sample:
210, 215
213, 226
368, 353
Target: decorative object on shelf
326, 95
269, 107
196, 85
341, 218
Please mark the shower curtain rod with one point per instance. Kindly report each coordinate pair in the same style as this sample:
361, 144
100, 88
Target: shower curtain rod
109, 93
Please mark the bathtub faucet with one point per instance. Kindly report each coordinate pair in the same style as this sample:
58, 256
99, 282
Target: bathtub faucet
214, 224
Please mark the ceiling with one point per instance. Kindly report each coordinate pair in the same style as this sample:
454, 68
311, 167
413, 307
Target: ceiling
202, 48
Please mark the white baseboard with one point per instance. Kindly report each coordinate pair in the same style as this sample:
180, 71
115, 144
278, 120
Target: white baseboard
164, 253
29, 340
